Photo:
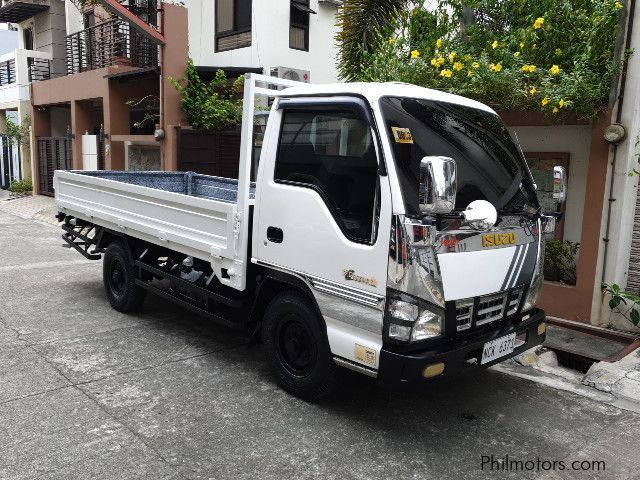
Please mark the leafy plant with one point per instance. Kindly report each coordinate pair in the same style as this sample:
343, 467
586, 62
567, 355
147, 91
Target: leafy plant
150, 105
541, 55
214, 106
625, 303
362, 27
19, 132
22, 187
560, 261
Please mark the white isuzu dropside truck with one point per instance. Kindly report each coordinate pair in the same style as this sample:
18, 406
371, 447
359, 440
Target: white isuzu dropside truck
391, 229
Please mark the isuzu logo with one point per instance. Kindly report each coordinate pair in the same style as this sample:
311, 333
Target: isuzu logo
498, 239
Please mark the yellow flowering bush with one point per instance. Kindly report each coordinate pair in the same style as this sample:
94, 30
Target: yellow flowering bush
542, 55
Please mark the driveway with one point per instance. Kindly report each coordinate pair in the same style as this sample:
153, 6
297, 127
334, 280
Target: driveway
87, 392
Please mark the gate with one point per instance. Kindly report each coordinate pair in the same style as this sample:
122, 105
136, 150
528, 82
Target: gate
53, 154
9, 161
210, 153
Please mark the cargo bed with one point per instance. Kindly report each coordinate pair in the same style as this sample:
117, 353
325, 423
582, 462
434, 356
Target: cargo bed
184, 211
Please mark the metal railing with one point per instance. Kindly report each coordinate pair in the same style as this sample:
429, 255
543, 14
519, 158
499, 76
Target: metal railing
8, 72
109, 43
39, 69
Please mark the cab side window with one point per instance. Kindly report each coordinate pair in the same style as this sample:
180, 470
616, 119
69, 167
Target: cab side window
333, 153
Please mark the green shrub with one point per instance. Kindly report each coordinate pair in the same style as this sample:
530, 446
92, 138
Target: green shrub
22, 187
560, 261
215, 106
623, 302
541, 55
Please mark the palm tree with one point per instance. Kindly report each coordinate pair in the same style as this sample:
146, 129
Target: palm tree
362, 24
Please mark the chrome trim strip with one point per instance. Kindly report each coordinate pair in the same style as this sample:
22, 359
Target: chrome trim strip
355, 367
335, 289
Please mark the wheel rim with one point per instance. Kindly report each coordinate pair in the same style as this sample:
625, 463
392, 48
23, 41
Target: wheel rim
117, 278
296, 348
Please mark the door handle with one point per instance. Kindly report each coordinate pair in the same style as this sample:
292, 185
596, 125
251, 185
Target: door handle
275, 235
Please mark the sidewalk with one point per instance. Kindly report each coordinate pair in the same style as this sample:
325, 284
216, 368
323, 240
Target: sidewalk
33, 207
614, 383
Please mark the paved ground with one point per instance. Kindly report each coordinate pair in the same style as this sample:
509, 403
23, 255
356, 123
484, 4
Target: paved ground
86, 392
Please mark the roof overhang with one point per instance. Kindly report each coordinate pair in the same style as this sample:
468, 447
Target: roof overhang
302, 6
133, 20
207, 73
16, 12
136, 74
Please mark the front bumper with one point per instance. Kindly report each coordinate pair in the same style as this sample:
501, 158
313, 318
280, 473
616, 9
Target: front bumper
400, 369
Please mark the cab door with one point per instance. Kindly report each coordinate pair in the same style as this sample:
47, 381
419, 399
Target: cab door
324, 214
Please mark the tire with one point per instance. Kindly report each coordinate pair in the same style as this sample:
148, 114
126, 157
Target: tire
118, 275
296, 344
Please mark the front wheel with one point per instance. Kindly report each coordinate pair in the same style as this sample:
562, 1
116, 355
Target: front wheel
297, 347
118, 275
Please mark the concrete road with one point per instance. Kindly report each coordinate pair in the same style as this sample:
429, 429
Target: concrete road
86, 392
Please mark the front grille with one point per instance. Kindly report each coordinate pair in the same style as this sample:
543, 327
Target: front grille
487, 309
490, 308
513, 301
464, 312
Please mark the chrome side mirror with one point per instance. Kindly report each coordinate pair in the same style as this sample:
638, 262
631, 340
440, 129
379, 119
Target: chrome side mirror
559, 184
438, 185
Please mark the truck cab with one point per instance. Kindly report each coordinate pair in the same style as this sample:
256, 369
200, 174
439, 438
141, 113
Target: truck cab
392, 230
413, 219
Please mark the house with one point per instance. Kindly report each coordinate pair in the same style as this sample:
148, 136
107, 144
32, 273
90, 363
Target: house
287, 38
102, 110
101, 107
38, 53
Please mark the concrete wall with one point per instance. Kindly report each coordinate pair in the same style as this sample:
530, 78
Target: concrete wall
73, 18
8, 41
270, 39
572, 139
614, 266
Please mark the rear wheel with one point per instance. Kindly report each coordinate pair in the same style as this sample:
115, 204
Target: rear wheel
297, 347
119, 279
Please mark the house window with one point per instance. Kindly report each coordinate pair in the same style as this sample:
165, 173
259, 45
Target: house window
299, 25
233, 24
28, 38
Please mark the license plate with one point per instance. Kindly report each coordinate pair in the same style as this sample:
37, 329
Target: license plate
498, 348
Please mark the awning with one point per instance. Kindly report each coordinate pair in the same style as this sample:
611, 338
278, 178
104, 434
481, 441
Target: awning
135, 74
16, 12
302, 7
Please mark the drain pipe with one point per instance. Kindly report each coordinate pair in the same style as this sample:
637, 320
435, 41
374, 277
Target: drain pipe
623, 84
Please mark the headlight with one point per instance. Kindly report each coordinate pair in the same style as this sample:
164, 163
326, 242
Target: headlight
409, 319
428, 325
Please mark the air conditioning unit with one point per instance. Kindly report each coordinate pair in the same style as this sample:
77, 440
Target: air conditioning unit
336, 3
291, 74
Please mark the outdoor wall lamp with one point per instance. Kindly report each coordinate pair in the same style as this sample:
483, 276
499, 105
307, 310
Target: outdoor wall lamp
615, 133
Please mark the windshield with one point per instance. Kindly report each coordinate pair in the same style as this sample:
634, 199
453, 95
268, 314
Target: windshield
489, 164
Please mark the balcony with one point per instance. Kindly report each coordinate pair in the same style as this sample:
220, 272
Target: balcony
15, 11
109, 43
17, 70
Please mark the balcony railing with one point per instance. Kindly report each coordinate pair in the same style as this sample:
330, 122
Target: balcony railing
24, 66
8, 72
39, 69
109, 43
